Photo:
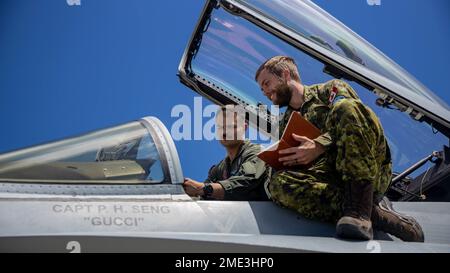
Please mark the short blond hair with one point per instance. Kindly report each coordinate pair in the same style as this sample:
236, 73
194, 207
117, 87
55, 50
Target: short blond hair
276, 65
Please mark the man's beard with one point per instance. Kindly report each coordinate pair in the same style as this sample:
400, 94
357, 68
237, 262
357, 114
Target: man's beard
283, 95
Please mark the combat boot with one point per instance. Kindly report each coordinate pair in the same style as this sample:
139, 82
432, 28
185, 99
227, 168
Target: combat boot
356, 223
386, 219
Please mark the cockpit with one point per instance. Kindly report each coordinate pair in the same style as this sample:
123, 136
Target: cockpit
140, 152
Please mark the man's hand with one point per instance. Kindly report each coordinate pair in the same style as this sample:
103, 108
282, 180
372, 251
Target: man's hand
193, 188
305, 153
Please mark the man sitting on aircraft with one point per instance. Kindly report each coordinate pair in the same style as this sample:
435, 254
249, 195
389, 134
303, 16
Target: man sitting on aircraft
241, 175
349, 165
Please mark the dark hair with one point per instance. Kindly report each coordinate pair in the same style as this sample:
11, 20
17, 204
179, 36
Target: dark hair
276, 65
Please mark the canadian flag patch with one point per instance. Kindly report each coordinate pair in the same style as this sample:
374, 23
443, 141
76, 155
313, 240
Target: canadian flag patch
333, 95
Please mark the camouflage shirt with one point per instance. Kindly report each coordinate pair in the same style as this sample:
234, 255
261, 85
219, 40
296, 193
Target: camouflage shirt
324, 106
319, 100
243, 178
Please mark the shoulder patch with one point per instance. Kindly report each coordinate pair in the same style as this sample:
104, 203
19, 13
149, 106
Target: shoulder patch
337, 99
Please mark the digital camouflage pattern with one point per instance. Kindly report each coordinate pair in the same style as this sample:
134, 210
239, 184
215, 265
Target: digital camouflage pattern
356, 150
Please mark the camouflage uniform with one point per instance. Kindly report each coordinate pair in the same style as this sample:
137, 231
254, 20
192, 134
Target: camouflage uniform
355, 150
243, 179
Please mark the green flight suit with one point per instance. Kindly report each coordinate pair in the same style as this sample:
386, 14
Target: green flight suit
355, 150
243, 179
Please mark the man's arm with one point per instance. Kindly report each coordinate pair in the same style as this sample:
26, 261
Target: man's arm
305, 153
249, 176
330, 93
196, 189
324, 140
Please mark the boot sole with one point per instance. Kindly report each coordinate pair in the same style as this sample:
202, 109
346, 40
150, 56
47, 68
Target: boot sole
349, 231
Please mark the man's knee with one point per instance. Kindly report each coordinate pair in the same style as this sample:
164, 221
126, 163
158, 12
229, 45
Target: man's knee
285, 186
278, 189
290, 185
279, 182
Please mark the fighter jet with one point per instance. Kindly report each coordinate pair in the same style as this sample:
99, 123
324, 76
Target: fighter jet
120, 189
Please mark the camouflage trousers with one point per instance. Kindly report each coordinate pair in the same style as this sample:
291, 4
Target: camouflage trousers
360, 153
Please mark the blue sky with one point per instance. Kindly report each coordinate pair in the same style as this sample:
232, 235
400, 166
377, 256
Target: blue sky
66, 70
